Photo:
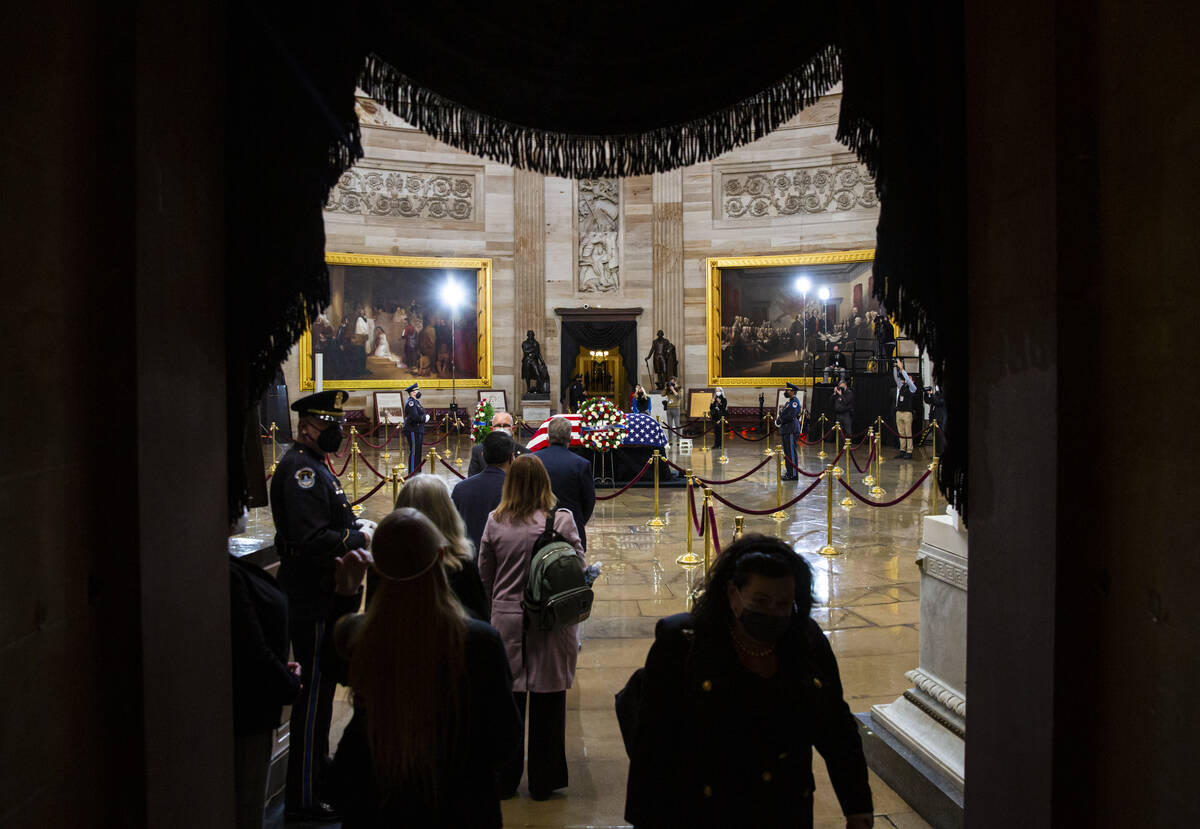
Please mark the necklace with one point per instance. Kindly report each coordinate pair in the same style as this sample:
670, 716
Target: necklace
749, 651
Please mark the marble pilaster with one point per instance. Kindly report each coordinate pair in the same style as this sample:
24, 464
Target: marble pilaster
667, 240
529, 266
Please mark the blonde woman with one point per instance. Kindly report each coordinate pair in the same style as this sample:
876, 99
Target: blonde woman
433, 712
543, 664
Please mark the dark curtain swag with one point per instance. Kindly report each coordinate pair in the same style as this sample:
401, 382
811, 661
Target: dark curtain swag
581, 92
598, 335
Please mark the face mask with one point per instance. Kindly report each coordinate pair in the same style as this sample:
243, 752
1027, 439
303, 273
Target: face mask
505, 429
765, 627
417, 395
330, 439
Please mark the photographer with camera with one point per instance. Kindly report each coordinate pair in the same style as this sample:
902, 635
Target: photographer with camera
843, 407
672, 397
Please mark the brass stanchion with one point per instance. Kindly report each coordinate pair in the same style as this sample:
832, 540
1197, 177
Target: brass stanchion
354, 451
821, 431
357, 508
933, 469
458, 443
395, 484
768, 451
707, 532
828, 549
933, 424
877, 490
879, 434
837, 441
446, 449
739, 527
870, 479
688, 559
656, 522
386, 456
274, 457
847, 502
704, 432
433, 457
779, 514
724, 427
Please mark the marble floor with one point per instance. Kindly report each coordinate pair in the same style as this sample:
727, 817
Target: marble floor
866, 599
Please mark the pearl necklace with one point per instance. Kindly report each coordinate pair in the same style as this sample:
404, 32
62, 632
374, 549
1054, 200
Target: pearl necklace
749, 652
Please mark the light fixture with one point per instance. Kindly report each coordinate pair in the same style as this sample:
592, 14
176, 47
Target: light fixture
452, 294
824, 294
803, 285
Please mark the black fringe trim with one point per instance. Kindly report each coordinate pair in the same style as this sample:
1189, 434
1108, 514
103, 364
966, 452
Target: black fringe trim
596, 156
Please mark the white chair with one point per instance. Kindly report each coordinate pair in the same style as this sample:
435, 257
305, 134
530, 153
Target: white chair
685, 445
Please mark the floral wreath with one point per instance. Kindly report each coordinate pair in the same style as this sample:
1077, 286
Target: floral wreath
602, 424
482, 427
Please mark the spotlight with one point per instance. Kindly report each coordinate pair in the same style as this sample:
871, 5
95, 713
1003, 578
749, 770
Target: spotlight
803, 284
824, 294
452, 294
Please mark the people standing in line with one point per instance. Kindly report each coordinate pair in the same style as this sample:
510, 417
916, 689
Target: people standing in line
543, 663
640, 401
414, 426
502, 422
836, 363
788, 421
732, 700
263, 682
432, 692
672, 399
313, 526
570, 475
718, 412
843, 408
906, 402
478, 495
428, 495
937, 412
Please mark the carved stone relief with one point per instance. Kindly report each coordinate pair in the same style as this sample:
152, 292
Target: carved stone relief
410, 194
790, 192
598, 254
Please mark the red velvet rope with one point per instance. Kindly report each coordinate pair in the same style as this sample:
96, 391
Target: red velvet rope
373, 469
696, 522
870, 458
636, 478
363, 438
378, 486
712, 523
751, 440
821, 439
770, 510
707, 482
891, 503
461, 476
834, 462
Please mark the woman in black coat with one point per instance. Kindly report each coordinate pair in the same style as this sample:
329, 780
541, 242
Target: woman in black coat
733, 699
718, 410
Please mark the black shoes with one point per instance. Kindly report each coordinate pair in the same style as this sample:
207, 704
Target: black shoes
790, 478
316, 813
899, 456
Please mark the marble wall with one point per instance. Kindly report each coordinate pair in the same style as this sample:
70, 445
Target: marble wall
552, 240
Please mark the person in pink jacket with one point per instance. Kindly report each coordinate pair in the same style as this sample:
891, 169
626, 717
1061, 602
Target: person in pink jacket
544, 668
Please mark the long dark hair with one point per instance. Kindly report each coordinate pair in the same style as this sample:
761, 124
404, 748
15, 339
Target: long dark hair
752, 554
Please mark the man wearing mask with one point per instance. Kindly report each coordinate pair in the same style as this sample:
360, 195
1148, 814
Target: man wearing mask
414, 426
314, 525
501, 422
788, 422
843, 409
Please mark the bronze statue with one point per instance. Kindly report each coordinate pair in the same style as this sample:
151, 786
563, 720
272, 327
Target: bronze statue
533, 368
665, 364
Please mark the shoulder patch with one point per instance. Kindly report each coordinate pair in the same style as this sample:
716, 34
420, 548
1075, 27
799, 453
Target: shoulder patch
306, 477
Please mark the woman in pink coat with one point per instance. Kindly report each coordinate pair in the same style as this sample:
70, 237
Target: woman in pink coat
546, 670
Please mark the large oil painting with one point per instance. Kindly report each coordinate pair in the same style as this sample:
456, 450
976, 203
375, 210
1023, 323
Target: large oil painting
772, 320
395, 319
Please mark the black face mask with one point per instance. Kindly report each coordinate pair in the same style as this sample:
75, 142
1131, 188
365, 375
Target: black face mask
330, 440
417, 395
765, 627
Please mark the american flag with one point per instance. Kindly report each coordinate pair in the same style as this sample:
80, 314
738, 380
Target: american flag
640, 430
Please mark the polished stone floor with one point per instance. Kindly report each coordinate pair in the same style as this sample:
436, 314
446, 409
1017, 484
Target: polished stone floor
867, 601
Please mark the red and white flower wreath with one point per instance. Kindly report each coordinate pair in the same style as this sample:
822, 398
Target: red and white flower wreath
602, 424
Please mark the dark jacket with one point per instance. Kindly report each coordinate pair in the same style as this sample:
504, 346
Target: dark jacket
718, 409
571, 480
477, 464
489, 731
844, 403
477, 496
717, 746
414, 416
262, 683
642, 405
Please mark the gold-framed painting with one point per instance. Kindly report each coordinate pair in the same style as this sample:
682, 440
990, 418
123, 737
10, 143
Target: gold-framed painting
767, 316
393, 320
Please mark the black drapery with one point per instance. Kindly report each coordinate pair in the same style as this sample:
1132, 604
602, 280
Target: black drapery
549, 87
577, 334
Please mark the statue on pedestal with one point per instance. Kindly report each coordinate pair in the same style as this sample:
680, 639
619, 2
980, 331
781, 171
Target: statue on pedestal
664, 363
533, 369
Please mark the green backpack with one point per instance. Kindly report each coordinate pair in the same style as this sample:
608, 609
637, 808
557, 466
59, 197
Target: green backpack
556, 593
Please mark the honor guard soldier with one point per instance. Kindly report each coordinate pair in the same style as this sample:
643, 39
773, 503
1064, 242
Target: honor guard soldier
414, 426
788, 421
314, 526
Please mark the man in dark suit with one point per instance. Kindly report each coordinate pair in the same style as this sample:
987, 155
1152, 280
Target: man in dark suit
503, 422
478, 495
570, 475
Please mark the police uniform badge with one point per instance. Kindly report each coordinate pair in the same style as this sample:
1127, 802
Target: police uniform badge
306, 477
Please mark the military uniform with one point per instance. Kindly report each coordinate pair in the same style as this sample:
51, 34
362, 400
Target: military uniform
414, 427
313, 525
788, 422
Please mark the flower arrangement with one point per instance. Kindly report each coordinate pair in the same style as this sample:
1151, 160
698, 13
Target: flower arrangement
602, 424
482, 426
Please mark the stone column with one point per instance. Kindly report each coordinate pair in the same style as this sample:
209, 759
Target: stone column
667, 237
529, 271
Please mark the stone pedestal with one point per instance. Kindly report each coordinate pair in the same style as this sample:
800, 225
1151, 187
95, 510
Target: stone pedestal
534, 412
917, 743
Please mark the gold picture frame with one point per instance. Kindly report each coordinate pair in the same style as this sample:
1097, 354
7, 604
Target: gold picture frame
714, 305
478, 376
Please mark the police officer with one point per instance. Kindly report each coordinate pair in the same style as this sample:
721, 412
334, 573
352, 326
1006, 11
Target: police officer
314, 526
788, 421
414, 425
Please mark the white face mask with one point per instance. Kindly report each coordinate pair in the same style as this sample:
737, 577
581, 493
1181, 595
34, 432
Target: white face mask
505, 429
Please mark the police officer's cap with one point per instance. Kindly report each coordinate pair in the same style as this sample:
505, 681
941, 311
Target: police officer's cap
324, 405
793, 387
413, 387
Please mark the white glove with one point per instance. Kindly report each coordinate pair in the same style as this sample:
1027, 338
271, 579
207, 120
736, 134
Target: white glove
367, 528
426, 418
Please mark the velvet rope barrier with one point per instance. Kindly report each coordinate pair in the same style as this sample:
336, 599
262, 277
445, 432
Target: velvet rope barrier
461, 476
821, 439
696, 522
434, 442
343, 472
373, 469
768, 510
739, 435
870, 458
636, 478
712, 525
707, 482
415, 469
833, 462
894, 501
378, 487
363, 438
